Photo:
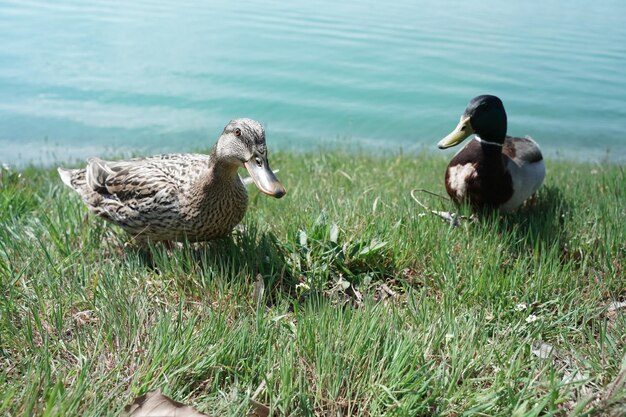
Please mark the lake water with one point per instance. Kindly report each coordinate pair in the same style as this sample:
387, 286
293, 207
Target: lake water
81, 78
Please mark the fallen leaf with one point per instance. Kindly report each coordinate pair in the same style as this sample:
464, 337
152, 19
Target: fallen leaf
334, 232
155, 404
388, 290
258, 409
542, 350
612, 311
303, 238
342, 283
259, 289
616, 305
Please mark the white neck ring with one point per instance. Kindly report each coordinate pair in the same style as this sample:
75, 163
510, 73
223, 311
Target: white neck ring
486, 142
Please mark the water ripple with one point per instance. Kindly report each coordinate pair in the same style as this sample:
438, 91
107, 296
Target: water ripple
153, 73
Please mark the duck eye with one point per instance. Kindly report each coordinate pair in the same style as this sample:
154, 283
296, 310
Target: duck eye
237, 132
258, 161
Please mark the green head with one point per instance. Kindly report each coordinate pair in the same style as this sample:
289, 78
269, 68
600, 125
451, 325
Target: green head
485, 116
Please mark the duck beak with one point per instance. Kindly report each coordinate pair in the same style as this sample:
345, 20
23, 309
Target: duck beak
462, 131
263, 177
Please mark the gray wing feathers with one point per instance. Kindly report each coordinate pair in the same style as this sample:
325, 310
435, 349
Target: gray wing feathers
522, 150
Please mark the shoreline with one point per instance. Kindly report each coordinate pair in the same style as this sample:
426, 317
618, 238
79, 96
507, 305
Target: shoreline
49, 156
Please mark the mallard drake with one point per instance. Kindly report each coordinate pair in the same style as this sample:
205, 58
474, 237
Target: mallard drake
177, 197
493, 170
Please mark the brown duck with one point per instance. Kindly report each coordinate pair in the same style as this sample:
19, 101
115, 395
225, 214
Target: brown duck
192, 197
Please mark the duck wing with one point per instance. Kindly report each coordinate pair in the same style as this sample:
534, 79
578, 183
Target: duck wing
522, 150
524, 162
138, 179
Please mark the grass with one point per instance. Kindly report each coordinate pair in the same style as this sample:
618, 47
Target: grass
368, 307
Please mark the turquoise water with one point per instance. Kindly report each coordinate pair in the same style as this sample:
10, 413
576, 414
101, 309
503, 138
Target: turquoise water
81, 78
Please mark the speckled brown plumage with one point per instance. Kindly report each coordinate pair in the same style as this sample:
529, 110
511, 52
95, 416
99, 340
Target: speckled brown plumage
178, 196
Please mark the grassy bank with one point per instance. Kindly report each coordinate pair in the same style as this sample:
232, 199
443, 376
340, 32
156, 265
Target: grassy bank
368, 308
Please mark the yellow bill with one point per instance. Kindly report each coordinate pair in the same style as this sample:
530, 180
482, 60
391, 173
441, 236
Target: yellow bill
458, 135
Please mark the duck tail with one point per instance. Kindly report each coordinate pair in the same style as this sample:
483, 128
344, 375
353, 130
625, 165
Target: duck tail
75, 179
66, 176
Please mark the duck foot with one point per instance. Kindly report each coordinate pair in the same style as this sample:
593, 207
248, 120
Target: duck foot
531, 201
454, 219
